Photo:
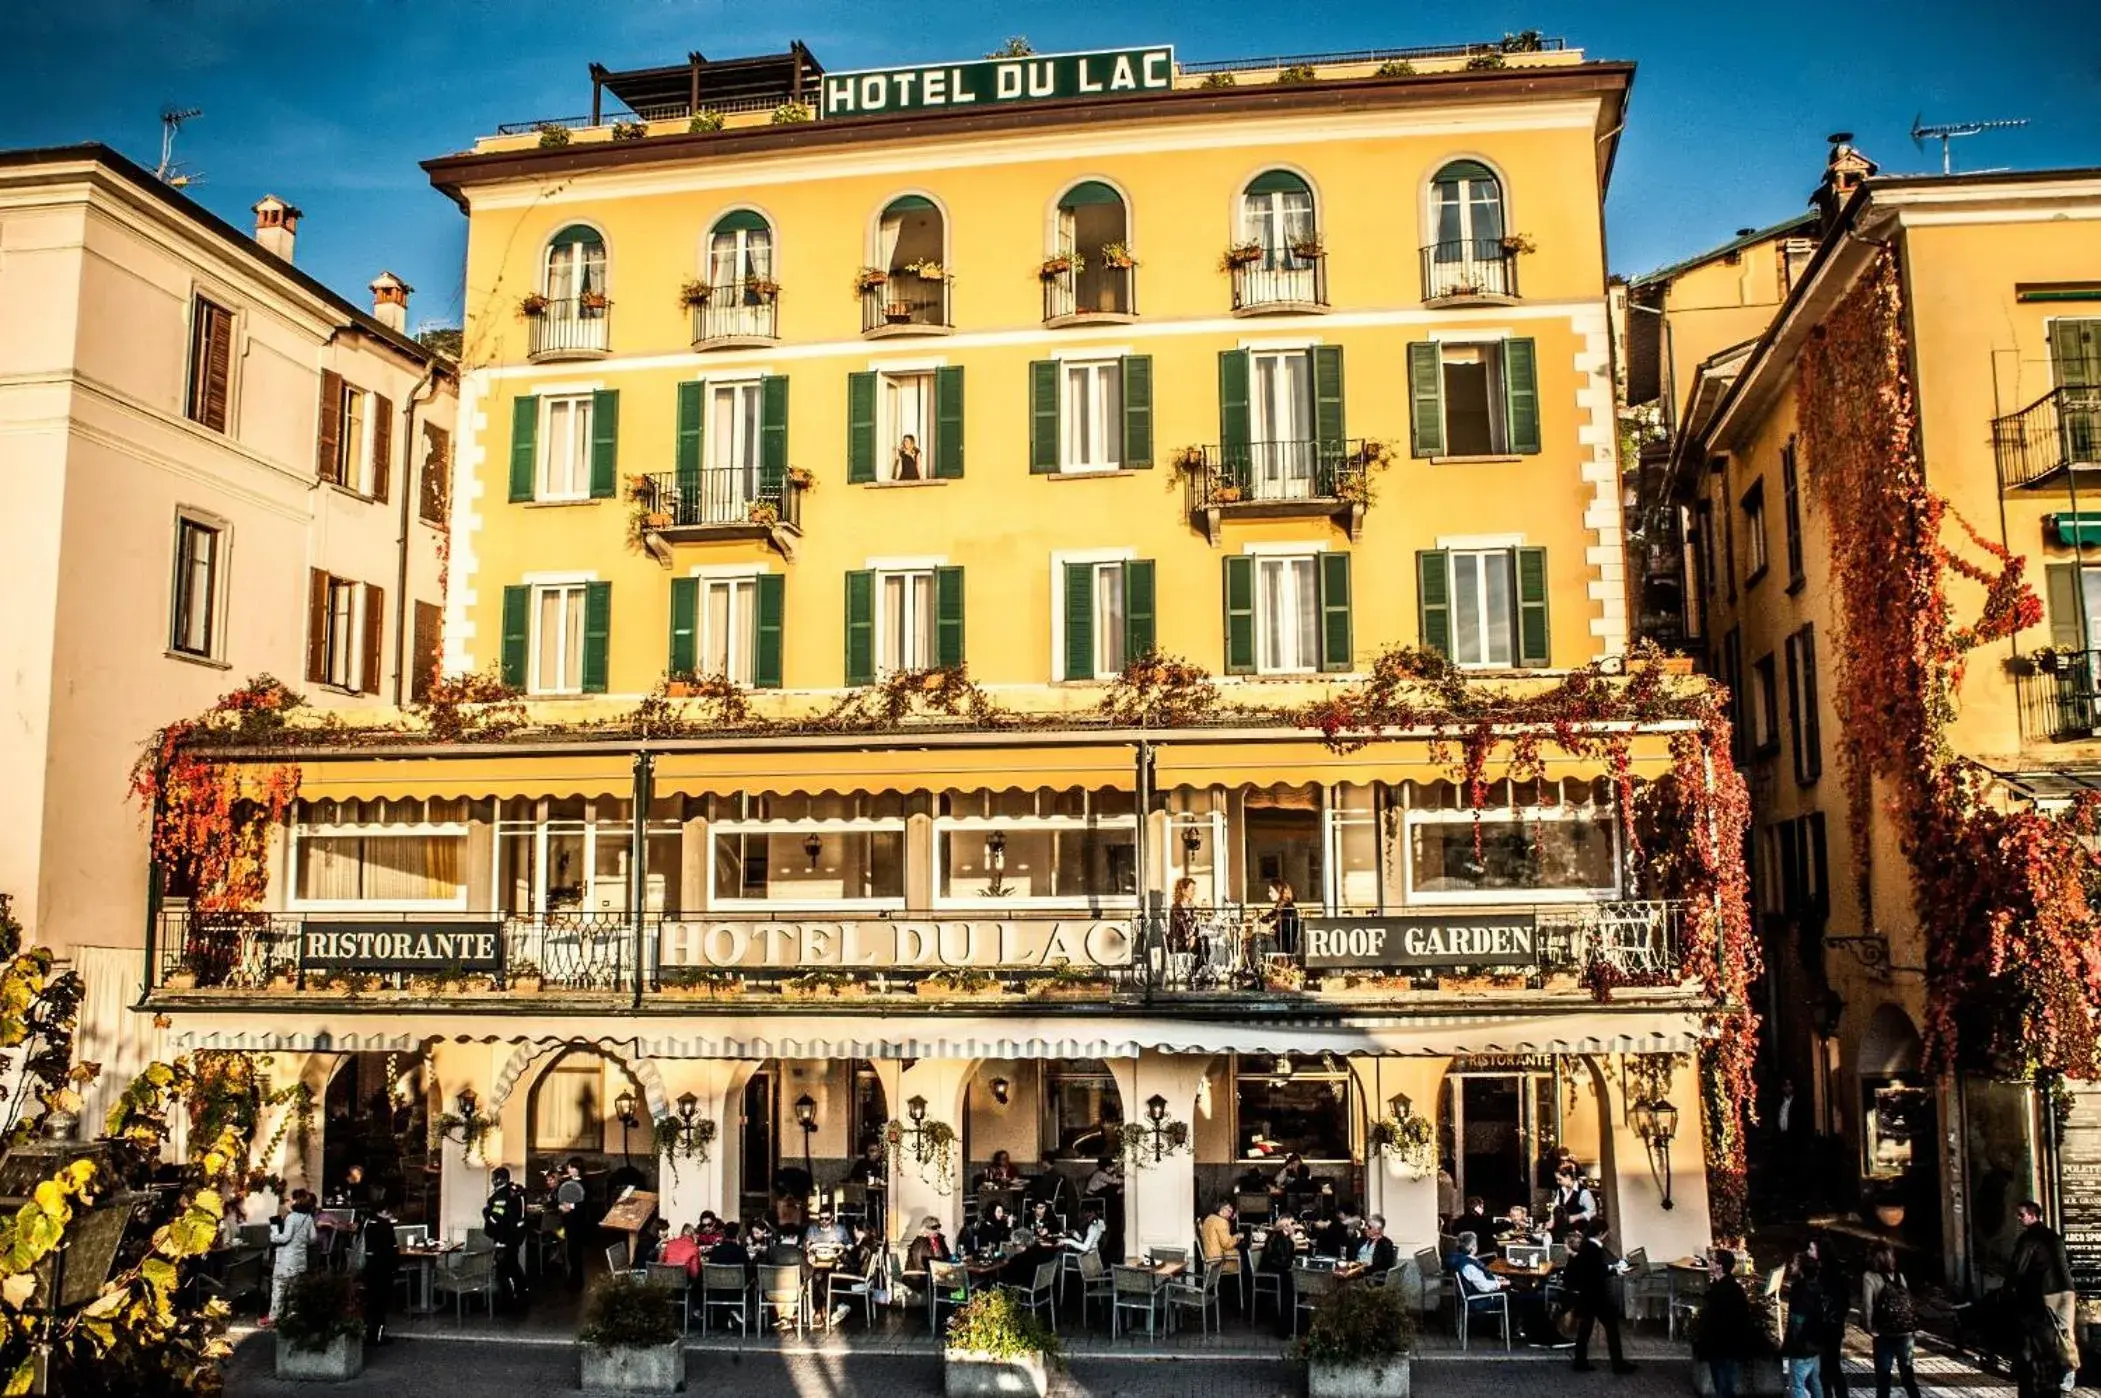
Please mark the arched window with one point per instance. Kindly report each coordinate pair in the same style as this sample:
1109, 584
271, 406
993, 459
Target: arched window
740, 303
740, 249
1467, 255
911, 252
576, 268
1276, 211
1093, 240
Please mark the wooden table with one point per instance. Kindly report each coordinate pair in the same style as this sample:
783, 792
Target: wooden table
423, 1262
1520, 1278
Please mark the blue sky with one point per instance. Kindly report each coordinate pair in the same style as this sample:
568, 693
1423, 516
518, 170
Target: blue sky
330, 103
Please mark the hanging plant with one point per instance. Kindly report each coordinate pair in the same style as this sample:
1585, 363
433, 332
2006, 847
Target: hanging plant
1240, 255
1160, 691
1407, 1137
532, 306
676, 1141
927, 270
1136, 1144
869, 279
694, 292
1118, 256
931, 1147
1060, 264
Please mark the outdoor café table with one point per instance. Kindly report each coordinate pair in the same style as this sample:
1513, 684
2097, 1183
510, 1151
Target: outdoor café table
1520, 1278
424, 1261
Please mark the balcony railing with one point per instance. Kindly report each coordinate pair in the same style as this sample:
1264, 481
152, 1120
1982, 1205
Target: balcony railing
1095, 290
738, 313
2058, 695
1277, 473
905, 304
1206, 954
2058, 433
571, 328
1291, 284
718, 498
1469, 267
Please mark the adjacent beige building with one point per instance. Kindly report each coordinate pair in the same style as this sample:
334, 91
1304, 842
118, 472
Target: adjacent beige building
216, 468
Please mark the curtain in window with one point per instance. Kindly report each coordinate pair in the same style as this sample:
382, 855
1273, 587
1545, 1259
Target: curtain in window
412, 868
327, 867
887, 234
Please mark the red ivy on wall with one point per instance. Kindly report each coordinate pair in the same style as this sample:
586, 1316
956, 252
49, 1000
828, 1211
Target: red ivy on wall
2004, 897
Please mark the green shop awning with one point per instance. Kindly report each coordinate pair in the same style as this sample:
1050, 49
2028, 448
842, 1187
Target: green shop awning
2075, 528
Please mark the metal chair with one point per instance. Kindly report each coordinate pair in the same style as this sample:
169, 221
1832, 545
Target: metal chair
1688, 1294
673, 1277
1200, 1294
1269, 1283
1644, 1285
1430, 1269
723, 1287
947, 1284
1473, 1303
852, 1287
616, 1262
1309, 1287
467, 1274
1096, 1285
1041, 1295
1135, 1289
781, 1291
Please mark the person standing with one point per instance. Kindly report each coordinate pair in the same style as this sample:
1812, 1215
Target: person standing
1282, 919
569, 1200
1835, 1299
1587, 1281
1575, 1205
292, 1234
503, 1219
1805, 1317
1886, 1306
2040, 1277
1726, 1325
376, 1278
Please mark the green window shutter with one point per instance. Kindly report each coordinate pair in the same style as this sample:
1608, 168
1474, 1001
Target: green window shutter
773, 432
2075, 352
860, 427
1426, 399
1138, 628
685, 626
605, 443
1327, 408
860, 627
1532, 635
1433, 600
948, 423
948, 617
1521, 395
1137, 411
1079, 621
771, 611
691, 399
598, 631
1335, 641
1044, 421
1234, 424
1240, 615
2061, 583
525, 446
517, 624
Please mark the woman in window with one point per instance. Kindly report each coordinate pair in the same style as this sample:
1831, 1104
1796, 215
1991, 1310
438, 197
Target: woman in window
908, 458
1282, 919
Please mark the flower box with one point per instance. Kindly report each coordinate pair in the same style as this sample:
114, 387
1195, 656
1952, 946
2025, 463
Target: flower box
180, 980
1387, 1380
626, 1369
897, 313
970, 1374
342, 1360
656, 519
526, 985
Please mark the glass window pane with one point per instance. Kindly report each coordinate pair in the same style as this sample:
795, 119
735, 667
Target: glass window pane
922, 653
1085, 1107
716, 630
1358, 876
1269, 612
1109, 378
1445, 197
893, 622
1466, 608
1521, 855
565, 870
1485, 205
1496, 568
1108, 620
1078, 413
1301, 1114
2090, 582
1307, 618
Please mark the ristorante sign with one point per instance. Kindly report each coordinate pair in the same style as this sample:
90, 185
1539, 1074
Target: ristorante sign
1421, 940
904, 944
1000, 81
393, 946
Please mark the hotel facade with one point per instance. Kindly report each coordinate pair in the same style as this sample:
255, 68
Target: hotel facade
905, 526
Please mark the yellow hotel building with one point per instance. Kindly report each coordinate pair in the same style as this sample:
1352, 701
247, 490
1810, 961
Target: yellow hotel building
799, 380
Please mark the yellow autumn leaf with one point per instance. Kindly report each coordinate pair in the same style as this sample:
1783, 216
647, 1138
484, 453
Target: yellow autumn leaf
107, 1304
17, 1289
23, 1376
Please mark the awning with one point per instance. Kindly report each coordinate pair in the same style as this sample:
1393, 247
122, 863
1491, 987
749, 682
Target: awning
2075, 528
611, 773
1309, 760
894, 769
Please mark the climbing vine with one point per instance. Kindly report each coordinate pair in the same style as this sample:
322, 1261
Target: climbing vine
2013, 977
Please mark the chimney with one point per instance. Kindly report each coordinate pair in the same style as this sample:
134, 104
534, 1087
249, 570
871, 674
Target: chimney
1843, 171
276, 222
390, 301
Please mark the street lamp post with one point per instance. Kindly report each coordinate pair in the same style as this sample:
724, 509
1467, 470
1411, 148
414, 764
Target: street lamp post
1656, 1122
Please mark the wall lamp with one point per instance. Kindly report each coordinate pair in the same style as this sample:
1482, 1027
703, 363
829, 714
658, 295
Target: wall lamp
1656, 1122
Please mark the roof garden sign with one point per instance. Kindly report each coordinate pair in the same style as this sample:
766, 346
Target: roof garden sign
998, 81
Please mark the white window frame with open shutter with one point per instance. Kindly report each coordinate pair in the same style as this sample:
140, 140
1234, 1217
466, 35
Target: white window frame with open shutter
197, 602
569, 595
563, 470
1274, 220
1476, 565
354, 441
732, 445
912, 639
1488, 352
905, 404
1287, 576
727, 645
1090, 413
1104, 563
1281, 426
572, 268
1468, 217
342, 649
736, 258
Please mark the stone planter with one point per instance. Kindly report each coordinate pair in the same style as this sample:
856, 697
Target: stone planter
343, 1359
1760, 1377
970, 1374
658, 1370
1388, 1380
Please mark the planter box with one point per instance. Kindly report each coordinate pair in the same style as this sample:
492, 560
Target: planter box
343, 1359
659, 1370
1760, 1376
969, 1374
1389, 1380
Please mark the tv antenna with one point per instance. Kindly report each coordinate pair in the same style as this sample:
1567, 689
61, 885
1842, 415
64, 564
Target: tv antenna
1949, 131
171, 120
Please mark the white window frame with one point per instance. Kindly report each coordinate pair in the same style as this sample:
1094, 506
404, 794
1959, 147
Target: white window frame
737, 259
1277, 219
1491, 349
1214, 823
570, 265
740, 647
354, 448
541, 826
1508, 554
343, 648
1332, 820
856, 826
215, 587
302, 832
1465, 188
581, 411
964, 825
1509, 897
572, 666
726, 431
1107, 428
908, 616
888, 385
1287, 557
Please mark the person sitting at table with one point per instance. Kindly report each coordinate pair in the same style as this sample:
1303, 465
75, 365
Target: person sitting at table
376, 1277
1220, 1239
990, 1232
868, 1169
730, 1251
1251, 1181
1049, 1186
684, 1251
929, 1245
1038, 1220
1088, 1239
1474, 1218
1374, 1249
1474, 1279
826, 1232
784, 1250
1333, 1239
1515, 1226
649, 1243
1106, 1179
1280, 1250
1000, 1173
708, 1231
1294, 1175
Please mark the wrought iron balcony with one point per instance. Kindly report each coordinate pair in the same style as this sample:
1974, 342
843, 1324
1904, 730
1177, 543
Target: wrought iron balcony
576, 327
2043, 443
738, 313
1470, 269
907, 304
1277, 480
1096, 292
718, 501
1289, 284
2058, 695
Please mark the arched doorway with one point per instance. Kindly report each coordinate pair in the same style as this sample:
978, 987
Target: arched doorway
1050, 1117
1899, 1124
1093, 239
375, 1118
574, 1111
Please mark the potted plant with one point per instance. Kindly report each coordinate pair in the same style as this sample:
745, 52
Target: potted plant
897, 312
591, 300
765, 288
524, 976
1059, 264
552, 134
1518, 242
1295, 74
1407, 1139
995, 1346
763, 512
532, 305
1308, 247
869, 279
802, 478
630, 1341
321, 1329
1118, 256
705, 122
1357, 1344
629, 130
791, 113
1227, 494
694, 292
927, 270
1240, 255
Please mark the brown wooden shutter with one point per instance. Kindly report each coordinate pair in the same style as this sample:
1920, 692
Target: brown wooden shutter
382, 444
375, 633
423, 651
217, 369
316, 626
437, 468
329, 446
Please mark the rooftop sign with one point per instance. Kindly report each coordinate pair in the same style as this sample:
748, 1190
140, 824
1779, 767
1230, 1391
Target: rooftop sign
997, 81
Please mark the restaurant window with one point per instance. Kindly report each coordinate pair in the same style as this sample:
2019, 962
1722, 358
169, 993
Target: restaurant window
399, 853
1529, 842
570, 1105
1293, 1104
809, 851
1041, 849
1353, 855
576, 855
1081, 1108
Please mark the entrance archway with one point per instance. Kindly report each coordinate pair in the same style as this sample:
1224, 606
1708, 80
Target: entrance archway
1899, 1125
375, 1117
572, 1111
